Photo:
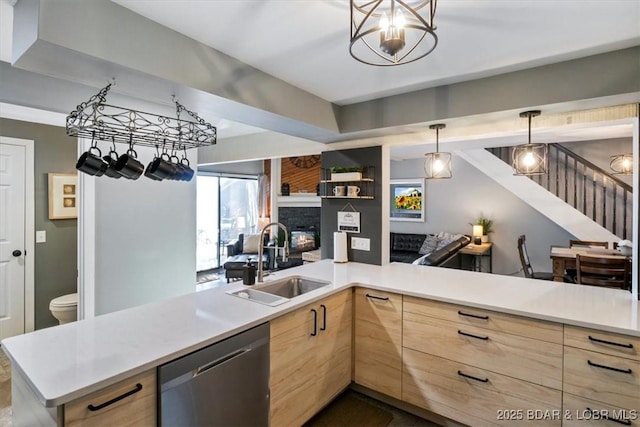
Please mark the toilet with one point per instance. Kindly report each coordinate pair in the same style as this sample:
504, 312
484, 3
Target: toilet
65, 308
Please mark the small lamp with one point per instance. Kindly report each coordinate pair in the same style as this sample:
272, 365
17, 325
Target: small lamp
477, 234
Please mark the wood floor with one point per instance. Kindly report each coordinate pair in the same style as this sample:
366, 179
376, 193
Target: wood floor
5, 390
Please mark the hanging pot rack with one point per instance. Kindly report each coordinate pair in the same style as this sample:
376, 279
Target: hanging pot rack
97, 119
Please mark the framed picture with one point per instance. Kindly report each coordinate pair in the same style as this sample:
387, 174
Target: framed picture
407, 200
63, 196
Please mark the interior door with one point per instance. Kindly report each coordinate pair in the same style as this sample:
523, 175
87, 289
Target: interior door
12, 239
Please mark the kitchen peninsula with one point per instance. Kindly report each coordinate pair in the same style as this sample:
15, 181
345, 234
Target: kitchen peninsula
515, 321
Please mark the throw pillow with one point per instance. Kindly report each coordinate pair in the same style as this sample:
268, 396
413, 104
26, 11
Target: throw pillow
251, 244
429, 245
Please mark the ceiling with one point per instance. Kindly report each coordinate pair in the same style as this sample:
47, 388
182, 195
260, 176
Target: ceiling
306, 42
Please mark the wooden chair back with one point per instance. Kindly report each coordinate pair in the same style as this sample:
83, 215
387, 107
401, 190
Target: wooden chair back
601, 271
587, 243
524, 257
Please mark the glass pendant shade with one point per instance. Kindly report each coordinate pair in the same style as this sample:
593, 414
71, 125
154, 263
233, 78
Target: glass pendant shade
529, 159
622, 164
392, 32
437, 165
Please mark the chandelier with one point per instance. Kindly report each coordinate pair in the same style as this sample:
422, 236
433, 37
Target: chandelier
392, 32
530, 159
437, 165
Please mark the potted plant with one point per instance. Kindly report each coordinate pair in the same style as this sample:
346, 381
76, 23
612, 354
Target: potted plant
487, 227
353, 173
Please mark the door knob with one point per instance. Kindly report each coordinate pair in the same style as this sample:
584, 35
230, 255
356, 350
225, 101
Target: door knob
16, 253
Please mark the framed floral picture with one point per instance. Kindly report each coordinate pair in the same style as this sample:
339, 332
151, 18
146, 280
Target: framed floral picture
63, 196
407, 200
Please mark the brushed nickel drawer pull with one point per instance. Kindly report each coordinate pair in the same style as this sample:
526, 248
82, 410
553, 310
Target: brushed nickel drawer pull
482, 380
472, 336
115, 399
375, 297
609, 342
475, 316
615, 420
624, 371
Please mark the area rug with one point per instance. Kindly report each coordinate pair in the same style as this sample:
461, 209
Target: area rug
348, 410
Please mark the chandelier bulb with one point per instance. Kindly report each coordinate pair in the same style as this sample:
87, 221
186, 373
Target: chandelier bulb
398, 20
384, 22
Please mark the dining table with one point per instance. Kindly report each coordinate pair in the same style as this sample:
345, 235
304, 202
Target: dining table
565, 258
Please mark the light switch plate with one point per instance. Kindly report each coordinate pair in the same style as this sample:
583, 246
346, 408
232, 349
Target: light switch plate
41, 236
360, 243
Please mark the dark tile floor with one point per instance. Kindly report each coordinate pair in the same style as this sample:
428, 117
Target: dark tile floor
400, 417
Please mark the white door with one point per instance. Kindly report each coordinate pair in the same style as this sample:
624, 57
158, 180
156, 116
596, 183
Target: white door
12, 239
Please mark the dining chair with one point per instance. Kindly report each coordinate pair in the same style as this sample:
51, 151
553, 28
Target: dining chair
587, 243
600, 271
526, 265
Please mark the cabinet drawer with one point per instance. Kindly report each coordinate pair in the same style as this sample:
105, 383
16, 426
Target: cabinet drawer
603, 342
136, 409
531, 360
440, 386
608, 379
516, 325
378, 341
579, 411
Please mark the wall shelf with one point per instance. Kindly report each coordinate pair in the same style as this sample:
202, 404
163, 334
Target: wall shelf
363, 180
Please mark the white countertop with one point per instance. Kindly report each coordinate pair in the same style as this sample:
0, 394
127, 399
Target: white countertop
71, 360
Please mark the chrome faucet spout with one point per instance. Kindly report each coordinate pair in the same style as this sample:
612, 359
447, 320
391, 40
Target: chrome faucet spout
285, 252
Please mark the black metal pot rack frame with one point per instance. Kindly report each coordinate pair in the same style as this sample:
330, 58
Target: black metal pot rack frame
97, 119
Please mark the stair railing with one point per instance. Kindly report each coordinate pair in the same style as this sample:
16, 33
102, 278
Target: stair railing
593, 191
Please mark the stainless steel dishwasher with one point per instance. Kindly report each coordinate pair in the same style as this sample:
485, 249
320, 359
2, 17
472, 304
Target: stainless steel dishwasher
224, 384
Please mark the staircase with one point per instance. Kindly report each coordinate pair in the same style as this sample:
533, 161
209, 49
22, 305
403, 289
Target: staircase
576, 194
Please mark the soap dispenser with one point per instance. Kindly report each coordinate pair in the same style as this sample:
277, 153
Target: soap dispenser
249, 273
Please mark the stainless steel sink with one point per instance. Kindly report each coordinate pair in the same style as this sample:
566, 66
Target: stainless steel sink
279, 291
291, 287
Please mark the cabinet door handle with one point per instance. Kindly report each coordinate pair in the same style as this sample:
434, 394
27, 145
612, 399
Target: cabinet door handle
137, 388
482, 380
315, 322
615, 420
472, 336
324, 317
597, 365
375, 297
475, 316
609, 342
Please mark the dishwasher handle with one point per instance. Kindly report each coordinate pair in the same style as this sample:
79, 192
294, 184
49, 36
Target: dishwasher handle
204, 368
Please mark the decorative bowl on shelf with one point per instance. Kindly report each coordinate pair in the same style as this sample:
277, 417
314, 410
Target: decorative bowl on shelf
625, 247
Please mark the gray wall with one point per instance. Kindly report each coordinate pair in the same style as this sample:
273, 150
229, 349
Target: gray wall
370, 210
452, 204
55, 260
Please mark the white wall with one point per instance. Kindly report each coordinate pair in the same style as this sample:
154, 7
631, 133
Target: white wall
451, 204
138, 239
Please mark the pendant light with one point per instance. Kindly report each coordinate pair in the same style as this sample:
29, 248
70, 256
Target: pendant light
622, 164
392, 32
530, 159
437, 165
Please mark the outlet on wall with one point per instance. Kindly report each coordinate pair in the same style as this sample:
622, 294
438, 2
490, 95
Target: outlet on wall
360, 244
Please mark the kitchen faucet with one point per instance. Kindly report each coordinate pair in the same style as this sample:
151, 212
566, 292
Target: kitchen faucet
285, 252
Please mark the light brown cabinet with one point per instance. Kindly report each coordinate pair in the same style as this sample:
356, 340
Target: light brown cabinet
378, 341
469, 364
310, 358
131, 402
601, 377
